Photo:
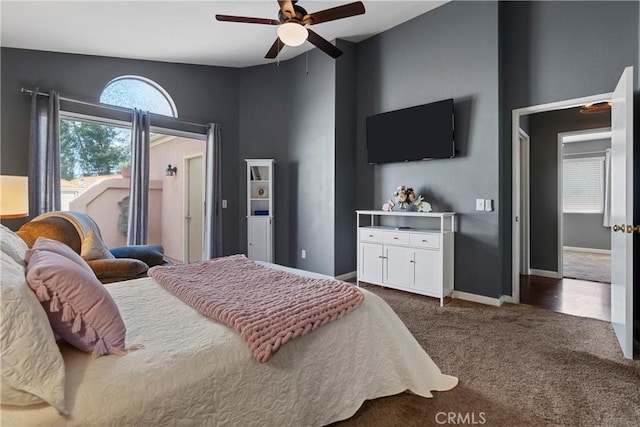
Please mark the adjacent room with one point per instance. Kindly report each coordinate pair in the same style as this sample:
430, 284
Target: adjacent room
368, 213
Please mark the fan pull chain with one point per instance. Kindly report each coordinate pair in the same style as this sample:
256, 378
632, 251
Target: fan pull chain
307, 62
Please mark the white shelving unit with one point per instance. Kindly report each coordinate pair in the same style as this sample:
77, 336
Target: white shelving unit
418, 260
260, 217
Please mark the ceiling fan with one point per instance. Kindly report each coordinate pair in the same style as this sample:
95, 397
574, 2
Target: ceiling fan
293, 21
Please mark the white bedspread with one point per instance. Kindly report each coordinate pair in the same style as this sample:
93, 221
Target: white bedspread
193, 371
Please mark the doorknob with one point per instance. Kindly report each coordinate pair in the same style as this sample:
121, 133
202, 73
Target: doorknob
631, 229
617, 228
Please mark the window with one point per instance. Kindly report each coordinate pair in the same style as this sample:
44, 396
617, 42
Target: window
583, 185
138, 92
95, 158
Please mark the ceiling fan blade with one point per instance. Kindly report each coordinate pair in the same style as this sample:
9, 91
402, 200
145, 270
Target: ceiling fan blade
247, 20
275, 49
323, 45
287, 9
339, 12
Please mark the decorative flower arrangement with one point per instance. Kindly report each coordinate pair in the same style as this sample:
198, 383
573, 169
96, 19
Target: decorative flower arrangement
404, 197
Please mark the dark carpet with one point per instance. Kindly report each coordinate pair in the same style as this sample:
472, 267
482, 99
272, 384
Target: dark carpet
517, 365
586, 266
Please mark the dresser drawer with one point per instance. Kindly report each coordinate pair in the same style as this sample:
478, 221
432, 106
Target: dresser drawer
429, 241
370, 235
394, 238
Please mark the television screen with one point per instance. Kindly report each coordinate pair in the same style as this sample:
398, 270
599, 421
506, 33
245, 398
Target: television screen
415, 133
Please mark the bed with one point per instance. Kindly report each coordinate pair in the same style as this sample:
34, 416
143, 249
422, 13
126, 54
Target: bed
190, 370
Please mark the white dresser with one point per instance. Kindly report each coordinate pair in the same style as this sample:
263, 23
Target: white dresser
415, 259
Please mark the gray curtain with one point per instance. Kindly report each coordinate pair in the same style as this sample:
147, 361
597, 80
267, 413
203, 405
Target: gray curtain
44, 153
212, 243
137, 233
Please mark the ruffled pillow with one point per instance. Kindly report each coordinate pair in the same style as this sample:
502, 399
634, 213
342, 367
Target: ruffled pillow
80, 309
32, 365
55, 246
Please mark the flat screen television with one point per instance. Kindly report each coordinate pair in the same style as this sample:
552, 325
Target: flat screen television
416, 133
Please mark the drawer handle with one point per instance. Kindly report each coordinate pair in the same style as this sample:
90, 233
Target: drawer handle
370, 235
382, 257
425, 241
395, 238
412, 261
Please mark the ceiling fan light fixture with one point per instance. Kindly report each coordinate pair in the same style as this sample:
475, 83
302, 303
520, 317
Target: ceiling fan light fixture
292, 34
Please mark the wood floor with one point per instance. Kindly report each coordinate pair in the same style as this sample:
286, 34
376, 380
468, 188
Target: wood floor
569, 296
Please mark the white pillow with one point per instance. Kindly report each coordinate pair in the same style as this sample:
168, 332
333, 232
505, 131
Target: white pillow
94, 248
13, 245
32, 365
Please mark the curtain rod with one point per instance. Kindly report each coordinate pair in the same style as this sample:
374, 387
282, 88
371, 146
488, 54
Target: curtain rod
110, 107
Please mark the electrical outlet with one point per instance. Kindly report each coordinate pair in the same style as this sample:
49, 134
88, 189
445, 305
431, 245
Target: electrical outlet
488, 205
224, 204
303, 254
479, 204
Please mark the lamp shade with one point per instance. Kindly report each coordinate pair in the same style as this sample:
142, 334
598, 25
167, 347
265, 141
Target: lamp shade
14, 196
292, 34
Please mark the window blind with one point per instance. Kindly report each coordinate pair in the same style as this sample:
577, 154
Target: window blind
583, 185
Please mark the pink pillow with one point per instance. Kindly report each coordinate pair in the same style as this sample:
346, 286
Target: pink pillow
80, 309
55, 246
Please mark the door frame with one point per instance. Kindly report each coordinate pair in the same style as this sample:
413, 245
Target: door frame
186, 167
525, 200
516, 195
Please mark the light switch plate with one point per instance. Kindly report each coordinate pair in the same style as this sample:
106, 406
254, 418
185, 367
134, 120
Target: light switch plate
224, 204
488, 205
479, 204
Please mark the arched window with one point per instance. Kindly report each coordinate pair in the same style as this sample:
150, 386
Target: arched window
138, 92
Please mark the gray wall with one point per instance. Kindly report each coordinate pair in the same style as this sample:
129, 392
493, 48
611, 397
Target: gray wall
450, 52
264, 133
345, 159
553, 51
312, 165
202, 94
543, 131
583, 230
302, 114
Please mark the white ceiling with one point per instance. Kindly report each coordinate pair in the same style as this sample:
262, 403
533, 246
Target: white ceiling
181, 31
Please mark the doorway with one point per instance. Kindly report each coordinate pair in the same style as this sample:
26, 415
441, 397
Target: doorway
176, 174
521, 225
564, 147
585, 200
622, 192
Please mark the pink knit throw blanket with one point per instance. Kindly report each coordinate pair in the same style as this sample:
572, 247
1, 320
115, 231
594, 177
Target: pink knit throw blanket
268, 307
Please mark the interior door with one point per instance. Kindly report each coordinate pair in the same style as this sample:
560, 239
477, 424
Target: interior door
195, 210
622, 212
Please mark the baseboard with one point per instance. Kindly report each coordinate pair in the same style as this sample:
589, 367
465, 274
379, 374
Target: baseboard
496, 302
347, 276
591, 250
544, 273
507, 298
